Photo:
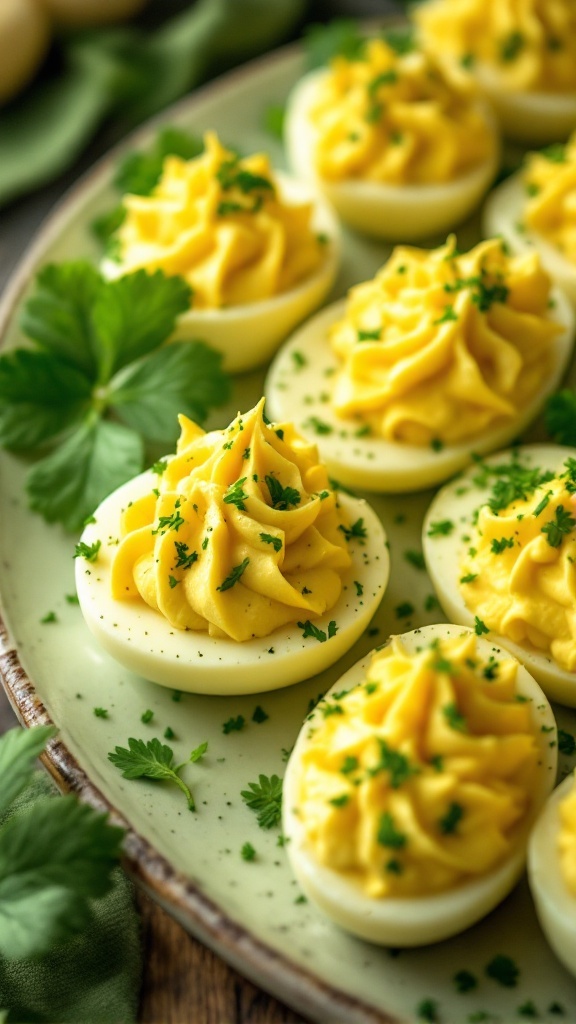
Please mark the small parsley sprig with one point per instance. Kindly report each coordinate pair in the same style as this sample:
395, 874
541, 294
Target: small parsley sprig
154, 760
265, 798
99, 383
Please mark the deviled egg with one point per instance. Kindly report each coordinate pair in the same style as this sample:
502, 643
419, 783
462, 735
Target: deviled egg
441, 354
551, 871
500, 546
401, 151
521, 53
535, 208
236, 567
259, 249
411, 790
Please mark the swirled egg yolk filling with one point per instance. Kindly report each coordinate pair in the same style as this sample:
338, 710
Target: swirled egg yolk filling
531, 43
439, 346
519, 572
397, 119
550, 183
242, 535
220, 222
417, 779
567, 839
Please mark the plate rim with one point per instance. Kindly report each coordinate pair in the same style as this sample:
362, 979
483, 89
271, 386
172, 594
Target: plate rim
266, 967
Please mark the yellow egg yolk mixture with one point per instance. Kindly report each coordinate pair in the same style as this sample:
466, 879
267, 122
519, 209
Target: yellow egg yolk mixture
550, 183
439, 347
519, 570
417, 779
567, 839
531, 43
243, 533
396, 119
221, 223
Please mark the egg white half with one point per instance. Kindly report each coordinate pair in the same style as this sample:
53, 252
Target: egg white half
299, 391
555, 904
457, 502
417, 920
248, 335
530, 117
396, 213
145, 642
503, 215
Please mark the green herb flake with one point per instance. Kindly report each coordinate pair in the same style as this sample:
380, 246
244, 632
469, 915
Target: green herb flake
427, 1010
340, 801
234, 575
355, 532
469, 577
503, 970
365, 335
235, 495
449, 823
184, 557
480, 627
395, 763
233, 724
88, 551
48, 618
276, 542
259, 715
566, 743
265, 798
281, 497
558, 528
248, 852
448, 316
441, 528
310, 630
465, 981
415, 558
388, 835
100, 712
454, 719
498, 546
147, 716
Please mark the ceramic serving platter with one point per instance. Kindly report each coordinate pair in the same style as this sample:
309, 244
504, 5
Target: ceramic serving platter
249, 912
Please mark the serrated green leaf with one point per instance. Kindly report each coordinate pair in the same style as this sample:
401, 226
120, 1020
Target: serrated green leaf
40, 396
68, 484
143, 758
32, 923
57, 315
19, 748
134, 314
185, 377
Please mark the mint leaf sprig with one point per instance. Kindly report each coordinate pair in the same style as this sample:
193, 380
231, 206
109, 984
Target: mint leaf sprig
155, 760
99, 383
55, 856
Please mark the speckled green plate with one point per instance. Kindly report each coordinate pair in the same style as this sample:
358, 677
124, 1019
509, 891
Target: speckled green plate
249, 912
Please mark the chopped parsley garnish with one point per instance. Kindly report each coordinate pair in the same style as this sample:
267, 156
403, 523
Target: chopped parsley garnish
528, 1009
428, 1010
88, 551
259, 715
469, 577
388, 835
566, 742
449, 823
395, 763
171, 522
511, 45
234, 575
298, 359
281, 497
233, 724
359, 588
159, 467
48, 618
349, 764
340, 801
454, 718
479, 626
441, 528
235, 495
404, 610
147, 716
465, 981
503, 970
542, 504
310, 630
498, 546
415, 558
355, 532
319, 426
276, 542
448, 316
100, 712
559, 527
374, 335
230, 175
173, 582
154, 760
248, 852
185, 557
265, 798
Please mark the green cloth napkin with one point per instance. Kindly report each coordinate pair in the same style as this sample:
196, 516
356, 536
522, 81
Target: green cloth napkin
95, 978
128, 74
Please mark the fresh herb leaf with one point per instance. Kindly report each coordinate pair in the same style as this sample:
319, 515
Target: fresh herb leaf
153, 760
449, 823
265, 798
233, 724
465, 981
235, 495
454, 718
281, 497
355, 532
339, 37
388, 835
503, 970
19, 748
395, 763
234, 575
40, 397
558, 528
276, 542
498, 546
309, 629
185, 557
88, 551
248, 852
441, 528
